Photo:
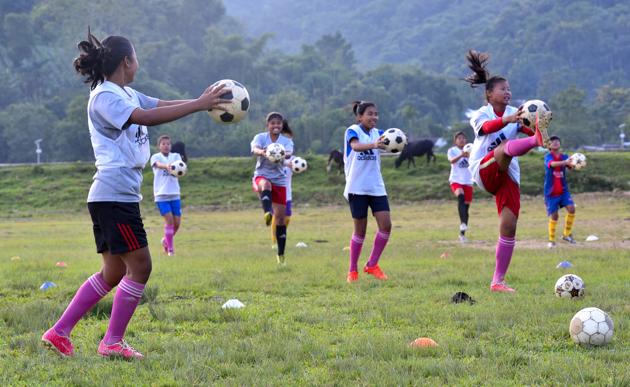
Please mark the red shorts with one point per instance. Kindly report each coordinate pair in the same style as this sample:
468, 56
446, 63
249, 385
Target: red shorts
468, 191
278, 193
499, 183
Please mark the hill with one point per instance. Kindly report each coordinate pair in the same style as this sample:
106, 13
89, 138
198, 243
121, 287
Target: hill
225, 183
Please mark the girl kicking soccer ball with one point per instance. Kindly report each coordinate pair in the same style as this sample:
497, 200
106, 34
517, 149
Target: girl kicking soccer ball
166, 192
118, 117
365, 187
493, 162
288, 132
270, 178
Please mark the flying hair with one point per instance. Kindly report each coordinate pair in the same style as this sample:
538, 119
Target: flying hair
477, 62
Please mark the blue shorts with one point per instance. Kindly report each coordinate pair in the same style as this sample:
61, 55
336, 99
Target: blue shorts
359, 205
174, 206
554, 203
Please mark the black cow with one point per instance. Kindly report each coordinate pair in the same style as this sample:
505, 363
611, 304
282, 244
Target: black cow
335, 157
413, 149
180, 147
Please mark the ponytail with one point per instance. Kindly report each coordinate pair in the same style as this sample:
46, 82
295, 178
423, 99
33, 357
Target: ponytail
359, 107
286, 129
98, 60
477, 62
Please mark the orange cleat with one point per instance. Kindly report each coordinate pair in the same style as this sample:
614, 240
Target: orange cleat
501, 287
353, 276
376, 272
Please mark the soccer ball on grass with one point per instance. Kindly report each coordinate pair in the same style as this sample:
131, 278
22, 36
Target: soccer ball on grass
570, 286
591, 326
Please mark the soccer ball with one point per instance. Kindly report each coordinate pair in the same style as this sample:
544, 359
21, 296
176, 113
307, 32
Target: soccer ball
298, 165
178, 168
530, 108
467, 148
591, 326
235, 110
394, 139
578, 161
570, 286
275, 152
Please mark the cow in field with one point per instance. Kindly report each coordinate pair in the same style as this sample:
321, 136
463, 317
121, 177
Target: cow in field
335, 158
413, 149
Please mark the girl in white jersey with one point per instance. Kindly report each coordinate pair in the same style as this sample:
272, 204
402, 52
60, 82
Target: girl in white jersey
166, 192
493, 162
365, 187
118, 117
460, 181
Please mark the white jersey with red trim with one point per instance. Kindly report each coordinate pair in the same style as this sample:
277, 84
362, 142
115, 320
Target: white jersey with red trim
485, 143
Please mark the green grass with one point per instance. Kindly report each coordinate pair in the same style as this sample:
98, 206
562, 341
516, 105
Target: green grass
303, 324
225, 183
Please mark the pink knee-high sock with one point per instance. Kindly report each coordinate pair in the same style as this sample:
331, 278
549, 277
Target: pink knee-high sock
380, 241
169, 231
127, 297
520, 146
91, 292
505, 247
356, 243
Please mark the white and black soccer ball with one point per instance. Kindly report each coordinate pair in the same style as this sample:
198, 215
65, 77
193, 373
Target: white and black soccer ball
467, 148
235, 110
533, 107
570, 286
591, 326
275, 152
178, 168
298, 165
578, 161
394, 139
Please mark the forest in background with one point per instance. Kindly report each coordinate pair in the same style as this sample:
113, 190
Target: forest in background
185, 45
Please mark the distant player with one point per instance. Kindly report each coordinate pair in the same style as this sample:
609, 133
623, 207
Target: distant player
270, 178
288, 132
461, 181
493, 163
365, 187
557, 193
118, 117
166, 192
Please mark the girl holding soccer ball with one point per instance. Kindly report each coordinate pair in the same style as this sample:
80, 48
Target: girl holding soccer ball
287, 132
365, 187
493, 159
166, 192
270, 178
118, 117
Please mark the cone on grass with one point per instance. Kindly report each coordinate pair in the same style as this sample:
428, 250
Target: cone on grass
423, 342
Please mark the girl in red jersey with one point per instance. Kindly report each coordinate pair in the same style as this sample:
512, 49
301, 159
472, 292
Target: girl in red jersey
493, 162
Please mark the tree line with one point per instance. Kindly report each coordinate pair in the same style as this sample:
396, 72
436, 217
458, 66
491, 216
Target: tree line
185, 45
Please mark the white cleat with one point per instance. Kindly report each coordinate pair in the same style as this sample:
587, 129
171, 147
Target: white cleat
551, 245
463, 239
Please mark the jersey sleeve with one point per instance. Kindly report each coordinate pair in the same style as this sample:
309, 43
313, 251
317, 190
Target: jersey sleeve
453, 153
477, 120
154, 159
289, 146
112, 109
257, 143
548, 160
147, 102
350, 134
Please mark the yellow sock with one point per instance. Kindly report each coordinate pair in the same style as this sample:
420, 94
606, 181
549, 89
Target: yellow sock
568, 224
552, 230
273, 230
287, 219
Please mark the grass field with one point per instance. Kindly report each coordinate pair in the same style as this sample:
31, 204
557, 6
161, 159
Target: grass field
303, 324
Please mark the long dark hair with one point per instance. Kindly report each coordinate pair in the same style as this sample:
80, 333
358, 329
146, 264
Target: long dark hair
359, 107
477, 62
286, 129
98, 60
180, 147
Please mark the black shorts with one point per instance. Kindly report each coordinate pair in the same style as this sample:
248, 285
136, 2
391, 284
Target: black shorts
359, 205
117, 227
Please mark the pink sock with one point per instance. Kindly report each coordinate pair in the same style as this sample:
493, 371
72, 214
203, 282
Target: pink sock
127, 297
380, 241
169, 231
91, 292
356, 243
505, 247
520, 146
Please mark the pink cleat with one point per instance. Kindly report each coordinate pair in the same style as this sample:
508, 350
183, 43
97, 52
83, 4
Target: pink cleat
164, 246
501, 287
119, 349
60, 344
